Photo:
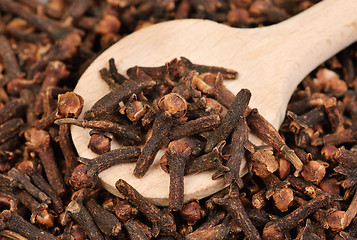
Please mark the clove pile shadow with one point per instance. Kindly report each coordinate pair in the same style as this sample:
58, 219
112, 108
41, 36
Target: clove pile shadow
301, 182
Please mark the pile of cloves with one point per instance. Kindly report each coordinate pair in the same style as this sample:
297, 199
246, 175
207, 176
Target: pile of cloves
301, 182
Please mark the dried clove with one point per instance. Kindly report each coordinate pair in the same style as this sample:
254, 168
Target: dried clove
86, 174
208, 161
137, 230
177, 154
239, 137
264, 130
108, 223
172, 108
12, 109
76, 210
196, 126
219, 231
12, 221
277, 229
162, 222
10, 128
69, 105
100, 142
235, 208
39, 211
191, 212
109, 102
123, 131
25, 182
40, 142
231, 119
9, 58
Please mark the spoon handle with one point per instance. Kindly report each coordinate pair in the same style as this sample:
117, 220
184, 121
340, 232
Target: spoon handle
317, 34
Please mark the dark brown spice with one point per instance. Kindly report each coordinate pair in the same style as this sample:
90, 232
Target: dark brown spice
108, 223
283, 195
231, 119
75, 11
277, 229
304, 187
314, 172
40, 142
220, 92
347, 136
124, 210
124, 131
25, 182
270, 135
76, 210
162, 221
46, 25
196, 126
263, 162
9, 59
307, 233
118, 78
12, 109
177, 153
334, 114
105, 75
239, 137
350, 176
69, 152
69, 105
109, 102
39, 211
345, 157
306, 120
172, 108
54, 72
235, 208
100, 142
219, 231
86, 174
191, 212
259, 200
214, 218
138, 230
134, 109
10, 128
33, 170
208, 161
29, 98
324, 105
12, 221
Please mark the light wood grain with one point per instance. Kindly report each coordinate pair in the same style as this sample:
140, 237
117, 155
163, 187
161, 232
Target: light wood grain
271, 62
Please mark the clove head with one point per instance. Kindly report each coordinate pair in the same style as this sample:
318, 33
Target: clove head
191, 212
29, 167
330, 185
81, 178
100, 142
313, 172
70, 105
124, 210
38, 139
272, 232
173, 104
337, 220
44, 218
283, 198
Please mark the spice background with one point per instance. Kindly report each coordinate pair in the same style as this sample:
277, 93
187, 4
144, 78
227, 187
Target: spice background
44, 49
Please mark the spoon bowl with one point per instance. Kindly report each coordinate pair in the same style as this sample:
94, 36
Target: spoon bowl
271, 61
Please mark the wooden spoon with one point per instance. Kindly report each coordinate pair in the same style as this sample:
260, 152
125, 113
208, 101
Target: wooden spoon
271, 62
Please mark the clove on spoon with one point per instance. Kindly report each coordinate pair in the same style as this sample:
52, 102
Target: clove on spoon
271, 62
